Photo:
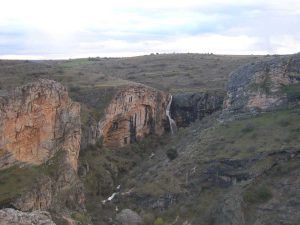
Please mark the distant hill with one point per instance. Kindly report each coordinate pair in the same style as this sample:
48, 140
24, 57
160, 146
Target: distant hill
172, 72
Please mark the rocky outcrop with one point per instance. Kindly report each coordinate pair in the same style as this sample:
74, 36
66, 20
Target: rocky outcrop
40, 126
189, 107
90, 133
264, 85
135, 112
11, 216
36, 121
128, 217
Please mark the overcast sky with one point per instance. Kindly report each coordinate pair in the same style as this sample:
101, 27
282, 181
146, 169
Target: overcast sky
51, 29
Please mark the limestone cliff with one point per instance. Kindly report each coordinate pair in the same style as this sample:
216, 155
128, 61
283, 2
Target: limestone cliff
189, 107
36, 121
264, 85
40, 132
135, 112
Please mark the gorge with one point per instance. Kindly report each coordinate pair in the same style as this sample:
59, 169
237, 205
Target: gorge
151, 155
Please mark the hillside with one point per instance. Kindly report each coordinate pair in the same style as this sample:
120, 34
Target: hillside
232, 159
173, 72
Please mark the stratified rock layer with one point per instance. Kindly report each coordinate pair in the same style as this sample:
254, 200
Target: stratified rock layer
189, 107
135, 112
262, 85
36, 121
11, 216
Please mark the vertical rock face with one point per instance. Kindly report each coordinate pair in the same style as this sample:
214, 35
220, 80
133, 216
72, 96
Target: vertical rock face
263, 85
135, 112
40, 125
36, 121
90, 133
189, 107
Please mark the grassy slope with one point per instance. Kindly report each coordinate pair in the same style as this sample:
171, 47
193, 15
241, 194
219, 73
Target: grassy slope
201, 147
18, 179
174, 72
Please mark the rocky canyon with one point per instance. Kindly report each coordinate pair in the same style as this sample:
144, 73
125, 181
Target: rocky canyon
97, 148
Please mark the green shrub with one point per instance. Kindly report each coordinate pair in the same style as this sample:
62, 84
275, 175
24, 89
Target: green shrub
259, 194
74, 88
172, 153
248, 128
80, 217
292, 91
159, 221
148, 219
284, 122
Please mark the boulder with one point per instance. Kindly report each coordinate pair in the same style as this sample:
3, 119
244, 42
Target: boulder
128, 217
14, 217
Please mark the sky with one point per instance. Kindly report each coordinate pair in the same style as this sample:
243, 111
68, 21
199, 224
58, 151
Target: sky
62, 29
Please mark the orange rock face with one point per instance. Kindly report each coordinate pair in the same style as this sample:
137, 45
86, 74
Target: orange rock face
36, 121
135, 112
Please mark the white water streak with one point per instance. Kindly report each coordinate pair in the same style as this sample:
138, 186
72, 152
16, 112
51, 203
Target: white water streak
172, 123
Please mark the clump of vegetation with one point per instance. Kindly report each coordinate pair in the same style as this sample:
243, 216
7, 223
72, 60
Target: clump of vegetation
14, 181
75, 88
284, 122
249, 127
172, 153
80, 217
292, 91
159, 221
18, 179
148, 219
259, 194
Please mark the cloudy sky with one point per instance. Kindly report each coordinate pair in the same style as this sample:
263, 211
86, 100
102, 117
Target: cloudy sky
52, 29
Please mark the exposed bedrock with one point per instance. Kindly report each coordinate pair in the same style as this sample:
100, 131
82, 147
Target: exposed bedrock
264, 85
36, 121
135, 112
40, 133
189, 107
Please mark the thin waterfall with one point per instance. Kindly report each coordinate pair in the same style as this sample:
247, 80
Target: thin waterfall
171, 121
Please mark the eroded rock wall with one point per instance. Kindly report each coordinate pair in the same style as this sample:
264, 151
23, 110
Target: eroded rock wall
135, 112
262, 85
36, 121
40, 127
189, 107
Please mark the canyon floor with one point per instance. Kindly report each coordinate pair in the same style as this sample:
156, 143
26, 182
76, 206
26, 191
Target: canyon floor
233, 163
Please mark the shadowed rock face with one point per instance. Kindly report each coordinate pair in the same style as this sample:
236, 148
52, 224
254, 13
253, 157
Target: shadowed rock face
36, 121
262, 85
135, 112
189, 107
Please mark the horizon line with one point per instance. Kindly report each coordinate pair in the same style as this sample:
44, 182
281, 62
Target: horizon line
42, 58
